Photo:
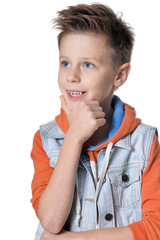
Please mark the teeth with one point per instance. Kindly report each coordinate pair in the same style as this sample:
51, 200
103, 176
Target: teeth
75, 94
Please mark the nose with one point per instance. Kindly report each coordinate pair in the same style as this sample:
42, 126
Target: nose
73, 76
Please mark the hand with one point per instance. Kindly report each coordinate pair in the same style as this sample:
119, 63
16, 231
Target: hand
85, 119
48, 236
63, 235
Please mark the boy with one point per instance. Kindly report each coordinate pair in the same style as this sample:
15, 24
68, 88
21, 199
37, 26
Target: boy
96, 165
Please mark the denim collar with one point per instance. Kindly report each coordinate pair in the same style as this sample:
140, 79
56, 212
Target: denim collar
51, 129
124, 142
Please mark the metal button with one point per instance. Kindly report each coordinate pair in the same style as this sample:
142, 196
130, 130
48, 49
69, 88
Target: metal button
108, 217
125, 177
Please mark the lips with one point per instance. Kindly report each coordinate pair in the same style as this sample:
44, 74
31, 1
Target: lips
75, 95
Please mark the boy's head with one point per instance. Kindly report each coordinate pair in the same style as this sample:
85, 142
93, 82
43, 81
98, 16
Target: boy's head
99, 19
95, 49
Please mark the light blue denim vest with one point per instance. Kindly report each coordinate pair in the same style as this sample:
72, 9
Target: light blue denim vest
119, 201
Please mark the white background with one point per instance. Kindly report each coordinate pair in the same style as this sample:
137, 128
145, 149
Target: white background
29, 94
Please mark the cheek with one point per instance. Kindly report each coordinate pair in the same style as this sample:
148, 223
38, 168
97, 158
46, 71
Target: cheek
60, 86
60, 80
59, 77
102, 90
98, 84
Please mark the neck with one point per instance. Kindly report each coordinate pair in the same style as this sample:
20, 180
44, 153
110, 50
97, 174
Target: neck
102, 133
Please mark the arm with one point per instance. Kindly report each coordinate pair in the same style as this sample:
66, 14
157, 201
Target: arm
149, 226
56, 200
122, 233
42, 170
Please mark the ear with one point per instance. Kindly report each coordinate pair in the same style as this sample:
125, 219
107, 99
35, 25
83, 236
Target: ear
122, 74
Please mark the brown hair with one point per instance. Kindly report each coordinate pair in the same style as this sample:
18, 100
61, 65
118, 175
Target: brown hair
100, 19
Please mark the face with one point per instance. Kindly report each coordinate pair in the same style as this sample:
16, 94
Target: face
85, 69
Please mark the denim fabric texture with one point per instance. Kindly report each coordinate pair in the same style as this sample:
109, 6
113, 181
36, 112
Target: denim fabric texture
119, 202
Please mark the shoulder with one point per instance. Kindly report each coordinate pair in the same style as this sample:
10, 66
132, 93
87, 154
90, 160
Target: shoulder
144, 128
51, 129
145, 132
37, 138
38, 151
142, 139
52, 138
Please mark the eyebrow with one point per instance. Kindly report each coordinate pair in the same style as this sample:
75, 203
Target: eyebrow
63, 56
91, 58
83, 58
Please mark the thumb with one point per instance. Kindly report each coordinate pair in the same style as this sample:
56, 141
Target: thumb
64, 105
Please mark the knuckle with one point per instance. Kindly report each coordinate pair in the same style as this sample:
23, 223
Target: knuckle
103, 122
91, 115
87, 109
95, 124
103, 113
96, 101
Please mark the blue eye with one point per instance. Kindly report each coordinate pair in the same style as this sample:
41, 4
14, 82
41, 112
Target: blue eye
88, 65
65, 64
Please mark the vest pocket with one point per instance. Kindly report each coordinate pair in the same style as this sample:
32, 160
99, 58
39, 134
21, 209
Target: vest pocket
125, 185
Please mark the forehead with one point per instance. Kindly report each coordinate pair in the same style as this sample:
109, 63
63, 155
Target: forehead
85, 44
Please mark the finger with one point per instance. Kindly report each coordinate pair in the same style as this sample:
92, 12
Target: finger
92, 102
101, 122
96, 108
98, 114
64, 105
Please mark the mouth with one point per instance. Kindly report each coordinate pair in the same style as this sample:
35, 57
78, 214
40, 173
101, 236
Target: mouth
75, 95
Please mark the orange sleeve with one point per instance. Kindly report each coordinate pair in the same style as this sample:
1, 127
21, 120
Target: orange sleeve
149, 226
42, 170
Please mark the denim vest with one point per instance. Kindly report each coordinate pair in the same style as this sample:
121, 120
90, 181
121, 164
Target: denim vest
119, 201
